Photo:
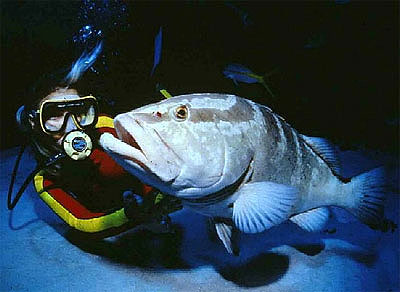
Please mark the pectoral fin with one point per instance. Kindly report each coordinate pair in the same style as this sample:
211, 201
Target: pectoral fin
228, 235
312, 220
261, 205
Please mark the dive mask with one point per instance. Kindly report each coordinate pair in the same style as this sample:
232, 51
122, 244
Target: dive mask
53, 113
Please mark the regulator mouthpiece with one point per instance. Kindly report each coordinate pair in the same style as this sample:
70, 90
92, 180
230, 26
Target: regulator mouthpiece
77, 145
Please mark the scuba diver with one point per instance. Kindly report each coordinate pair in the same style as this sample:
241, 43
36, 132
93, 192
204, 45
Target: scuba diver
82, 184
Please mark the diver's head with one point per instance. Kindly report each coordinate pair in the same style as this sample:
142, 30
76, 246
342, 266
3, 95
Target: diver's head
60, 122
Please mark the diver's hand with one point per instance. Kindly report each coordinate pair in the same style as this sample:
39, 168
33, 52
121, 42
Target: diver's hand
152, 212
133, 207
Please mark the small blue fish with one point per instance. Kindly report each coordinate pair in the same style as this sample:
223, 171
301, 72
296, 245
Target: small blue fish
240, 73
157, 50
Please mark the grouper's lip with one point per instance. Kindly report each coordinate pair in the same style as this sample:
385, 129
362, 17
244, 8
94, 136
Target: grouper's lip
123, 150
127, 155
126, 137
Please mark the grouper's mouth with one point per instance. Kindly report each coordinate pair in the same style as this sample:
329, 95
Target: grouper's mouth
126, 137
137, 151
125, 147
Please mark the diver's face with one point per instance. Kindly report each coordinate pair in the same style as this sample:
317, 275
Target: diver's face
56, 121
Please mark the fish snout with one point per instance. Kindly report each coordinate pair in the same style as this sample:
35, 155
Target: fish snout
125, 135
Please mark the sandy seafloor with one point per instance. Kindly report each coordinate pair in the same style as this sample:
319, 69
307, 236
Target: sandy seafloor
39, 253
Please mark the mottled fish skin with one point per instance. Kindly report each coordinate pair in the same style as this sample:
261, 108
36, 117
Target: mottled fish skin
282, 156
229, 157
288, 159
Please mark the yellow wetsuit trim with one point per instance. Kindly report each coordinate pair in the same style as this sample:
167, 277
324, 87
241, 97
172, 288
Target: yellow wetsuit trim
97, 224
104, 121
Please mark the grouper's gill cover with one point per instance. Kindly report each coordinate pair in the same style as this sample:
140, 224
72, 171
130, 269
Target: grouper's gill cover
240, 164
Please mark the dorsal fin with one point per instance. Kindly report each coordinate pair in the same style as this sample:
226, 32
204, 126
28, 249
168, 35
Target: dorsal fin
326, 150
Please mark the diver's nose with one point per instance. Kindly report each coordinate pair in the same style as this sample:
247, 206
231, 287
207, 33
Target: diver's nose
71, 126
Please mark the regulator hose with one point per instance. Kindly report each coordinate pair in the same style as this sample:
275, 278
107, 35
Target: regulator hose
11, 203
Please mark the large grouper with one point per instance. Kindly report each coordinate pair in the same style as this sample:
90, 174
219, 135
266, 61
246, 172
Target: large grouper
239, 163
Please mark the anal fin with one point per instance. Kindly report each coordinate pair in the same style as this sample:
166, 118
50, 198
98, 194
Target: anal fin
312, 220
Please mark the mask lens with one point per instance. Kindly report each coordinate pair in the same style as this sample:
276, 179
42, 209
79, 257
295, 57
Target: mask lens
53, 118
54, 113
86, 115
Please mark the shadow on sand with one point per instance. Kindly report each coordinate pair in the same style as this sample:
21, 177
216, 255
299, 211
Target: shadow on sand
187, 248
259, 271
158, 252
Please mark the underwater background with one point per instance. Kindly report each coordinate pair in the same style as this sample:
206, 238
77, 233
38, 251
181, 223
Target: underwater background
332, 65
332, 69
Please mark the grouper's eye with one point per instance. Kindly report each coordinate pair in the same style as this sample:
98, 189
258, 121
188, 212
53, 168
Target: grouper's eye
181, 113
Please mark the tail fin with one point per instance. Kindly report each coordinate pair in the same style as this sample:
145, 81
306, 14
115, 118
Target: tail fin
368, 190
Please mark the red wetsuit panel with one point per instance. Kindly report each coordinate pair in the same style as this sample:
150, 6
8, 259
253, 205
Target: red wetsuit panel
73, 206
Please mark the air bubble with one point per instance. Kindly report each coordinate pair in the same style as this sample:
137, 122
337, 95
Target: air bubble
99, 20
